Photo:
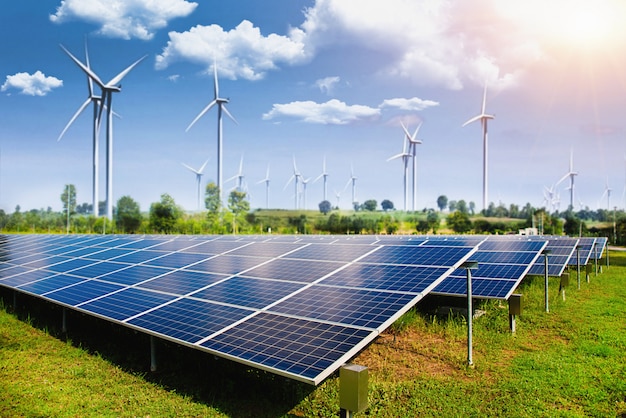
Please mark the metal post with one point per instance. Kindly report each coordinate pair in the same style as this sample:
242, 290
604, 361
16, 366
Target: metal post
468, 266
64, 321
595, 257
578, 265
545, 264
153, 363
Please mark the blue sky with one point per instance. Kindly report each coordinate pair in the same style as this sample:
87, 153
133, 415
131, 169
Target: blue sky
318, 79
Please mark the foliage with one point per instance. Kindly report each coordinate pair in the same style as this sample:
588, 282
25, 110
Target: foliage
69, 192
433, 221
370, 205
325, 207
459, 222
442, 202
128, 215
164, 215
386, 205
212, 199
238, 205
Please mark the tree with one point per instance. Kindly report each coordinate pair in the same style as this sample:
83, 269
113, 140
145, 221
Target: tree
164, 214
370, 205
442, 202
472, 207
71, 189
212, 198
325, 207
461, 206
128, 215
422, 226
386, 205
433, 221
238, 205
452, 206
459, 222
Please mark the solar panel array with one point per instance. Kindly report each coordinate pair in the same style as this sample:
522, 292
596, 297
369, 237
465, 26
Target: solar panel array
583, 252
296, 307
561, 249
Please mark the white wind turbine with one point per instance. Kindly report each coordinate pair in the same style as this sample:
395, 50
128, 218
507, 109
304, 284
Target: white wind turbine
324, 175
296, 177
404, 155
571, 174
352, 180
239, 176
413, 143
607, 193
304, 183
96, 101
266, 180
483, 117
113, 86
221, 107
199, 172
338, 197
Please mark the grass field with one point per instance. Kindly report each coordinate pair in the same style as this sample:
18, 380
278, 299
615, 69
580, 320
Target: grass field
570, 362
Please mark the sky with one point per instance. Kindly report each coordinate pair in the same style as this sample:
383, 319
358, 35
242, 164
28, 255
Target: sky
313, 81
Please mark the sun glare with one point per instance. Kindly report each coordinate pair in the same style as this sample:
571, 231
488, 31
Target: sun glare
586, 22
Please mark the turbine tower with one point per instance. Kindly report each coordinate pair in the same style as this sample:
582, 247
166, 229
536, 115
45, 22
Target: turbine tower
324, 175
404, 155
113, 86
198, 173
296, 177
571, 174
483, 117
96, 101
304, 183
221, 107
413, 143
266, 180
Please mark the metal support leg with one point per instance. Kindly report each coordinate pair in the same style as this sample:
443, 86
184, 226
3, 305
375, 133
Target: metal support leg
64, 321
153, 362
512, 323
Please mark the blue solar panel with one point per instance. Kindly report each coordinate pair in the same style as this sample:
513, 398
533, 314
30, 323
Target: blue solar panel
228, 264
25, 277
182, 282
583, 252
599, 248
82, 292
49, 284
426, 256
133, 275
560, 251
306, 271
335, 252
126, 303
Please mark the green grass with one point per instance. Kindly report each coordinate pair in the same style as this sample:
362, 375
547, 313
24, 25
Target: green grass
570, 362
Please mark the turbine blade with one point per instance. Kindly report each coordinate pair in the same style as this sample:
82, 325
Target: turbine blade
474, 119
289, 181
216, 88
89, 82
78, 112
484, 99
229, 115
204, 165
190, 168
115, 80
202, 112
85, 69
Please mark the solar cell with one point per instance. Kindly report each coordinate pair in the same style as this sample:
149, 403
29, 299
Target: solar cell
82, 292
182, 282
126, 303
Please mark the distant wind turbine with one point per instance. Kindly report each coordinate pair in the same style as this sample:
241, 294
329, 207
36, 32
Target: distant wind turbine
239, 176
607, 193
571, 174
113, 86
221, 107
352, 180
304, 183
266, 180
404, 155
338, 197
483, 117
198, 173
324, 175
296, 176
413, 143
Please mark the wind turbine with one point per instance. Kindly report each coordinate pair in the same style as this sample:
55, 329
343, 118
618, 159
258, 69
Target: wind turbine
239, 176
266, 180
338, 197
607, 193
304, 183
106, 101
323, 175
404, 155
295, 176
571, 174
352, 180
198, 173
221, 107
413, 143
96, 101
483, 117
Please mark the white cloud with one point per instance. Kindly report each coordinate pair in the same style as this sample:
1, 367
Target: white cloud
327, 84
173, 78
413, 104
124, 19
333, 112
242, 52
37, 84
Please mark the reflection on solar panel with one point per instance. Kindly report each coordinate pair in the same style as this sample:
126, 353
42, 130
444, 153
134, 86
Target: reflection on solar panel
298, 306
502, 264
561, 250
583, 254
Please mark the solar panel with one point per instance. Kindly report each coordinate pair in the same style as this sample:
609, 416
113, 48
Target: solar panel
295, 306
583, 253
502, 264
561, 250
598, 250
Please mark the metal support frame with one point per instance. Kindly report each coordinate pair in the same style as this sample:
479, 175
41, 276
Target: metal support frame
469, 266
545, 264
64, 321
153, 362
595, 257
578, 265
515, 309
